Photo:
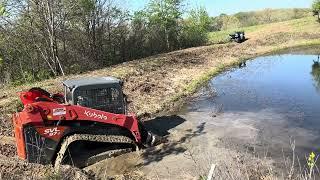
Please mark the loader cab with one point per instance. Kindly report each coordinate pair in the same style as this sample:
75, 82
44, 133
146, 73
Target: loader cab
100, 93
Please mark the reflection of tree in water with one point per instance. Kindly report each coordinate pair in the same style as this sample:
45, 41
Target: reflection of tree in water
316, 72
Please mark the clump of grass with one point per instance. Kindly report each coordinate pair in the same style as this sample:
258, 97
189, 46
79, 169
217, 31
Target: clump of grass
251, 167
311, 162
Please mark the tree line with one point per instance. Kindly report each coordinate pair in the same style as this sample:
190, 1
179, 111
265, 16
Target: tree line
245, 19
46, 38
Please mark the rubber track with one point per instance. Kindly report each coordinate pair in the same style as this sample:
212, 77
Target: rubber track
93, 138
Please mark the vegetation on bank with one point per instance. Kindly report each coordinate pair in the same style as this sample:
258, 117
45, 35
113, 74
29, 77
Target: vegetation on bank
46, 38
253, 18
41, 39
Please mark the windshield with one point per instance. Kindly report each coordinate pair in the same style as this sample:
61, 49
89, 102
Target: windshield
105, 99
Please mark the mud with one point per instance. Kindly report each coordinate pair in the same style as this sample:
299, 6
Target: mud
7, 146
6, 126
196, 144
14, 168
192, 148
8, 150
92, 138
122, 165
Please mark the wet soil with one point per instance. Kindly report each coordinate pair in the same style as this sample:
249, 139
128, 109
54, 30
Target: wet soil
13, 168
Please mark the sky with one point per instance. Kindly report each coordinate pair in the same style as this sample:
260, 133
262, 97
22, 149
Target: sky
216, 7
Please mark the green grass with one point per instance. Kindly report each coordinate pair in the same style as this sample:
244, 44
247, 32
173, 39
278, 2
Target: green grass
304, 24
307, 24
221, 37
259, 19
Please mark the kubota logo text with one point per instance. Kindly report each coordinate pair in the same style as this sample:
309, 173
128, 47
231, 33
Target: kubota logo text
95, 115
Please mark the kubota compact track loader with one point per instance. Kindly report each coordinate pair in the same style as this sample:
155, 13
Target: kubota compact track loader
86, 124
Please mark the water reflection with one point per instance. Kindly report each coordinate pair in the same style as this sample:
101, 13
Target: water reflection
316, 72
283, 87
243, 64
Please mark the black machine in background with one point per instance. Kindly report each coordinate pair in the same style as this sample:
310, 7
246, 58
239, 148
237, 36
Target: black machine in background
238, 37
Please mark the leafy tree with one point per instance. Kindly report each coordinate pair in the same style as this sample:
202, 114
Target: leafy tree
316, 8
163, 18
138, 36
40, 39
202, 18
195, 29
230, 22
217, 22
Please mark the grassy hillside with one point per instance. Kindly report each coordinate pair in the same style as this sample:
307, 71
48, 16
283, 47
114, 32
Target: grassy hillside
271, 15
253, 18
302, 25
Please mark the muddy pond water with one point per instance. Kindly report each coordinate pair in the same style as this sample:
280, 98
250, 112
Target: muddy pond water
256, 110
259, 109
264, 105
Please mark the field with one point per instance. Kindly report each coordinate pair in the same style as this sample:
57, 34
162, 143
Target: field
158, 84
296, 26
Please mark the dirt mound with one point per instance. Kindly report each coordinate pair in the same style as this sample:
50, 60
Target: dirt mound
8, 150
13, 168
6, 126
69, 172
120, 167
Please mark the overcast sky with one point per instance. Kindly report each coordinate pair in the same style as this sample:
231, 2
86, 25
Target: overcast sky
216, 7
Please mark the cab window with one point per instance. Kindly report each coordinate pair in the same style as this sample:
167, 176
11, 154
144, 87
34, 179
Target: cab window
106, 99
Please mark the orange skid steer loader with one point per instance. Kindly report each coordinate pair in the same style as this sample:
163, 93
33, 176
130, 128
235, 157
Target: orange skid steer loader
85, 125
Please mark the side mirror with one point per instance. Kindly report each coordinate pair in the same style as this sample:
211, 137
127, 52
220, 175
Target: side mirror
125, 98
125, 105
121, 83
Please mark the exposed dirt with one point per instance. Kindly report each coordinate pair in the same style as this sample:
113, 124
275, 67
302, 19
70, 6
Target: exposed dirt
13, 168
124, 164
194, 145
7, 146
156, 84
8, 150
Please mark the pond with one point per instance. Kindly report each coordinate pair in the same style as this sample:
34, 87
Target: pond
263, 108
265, 105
